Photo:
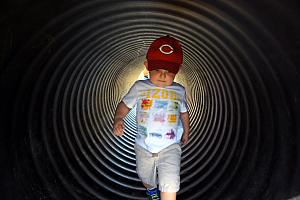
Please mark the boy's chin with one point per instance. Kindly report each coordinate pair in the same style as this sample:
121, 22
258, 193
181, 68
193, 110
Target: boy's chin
162, 84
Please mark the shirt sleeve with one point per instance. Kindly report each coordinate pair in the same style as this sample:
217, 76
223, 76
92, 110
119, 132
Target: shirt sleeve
131, 97
184, 107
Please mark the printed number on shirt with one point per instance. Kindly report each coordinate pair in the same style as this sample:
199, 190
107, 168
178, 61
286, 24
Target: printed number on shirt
159, 93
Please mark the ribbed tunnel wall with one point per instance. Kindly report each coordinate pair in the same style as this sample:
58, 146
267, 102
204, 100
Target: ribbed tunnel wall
66, 65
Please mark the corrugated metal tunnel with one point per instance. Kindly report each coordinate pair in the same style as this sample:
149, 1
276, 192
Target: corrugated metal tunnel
65, 65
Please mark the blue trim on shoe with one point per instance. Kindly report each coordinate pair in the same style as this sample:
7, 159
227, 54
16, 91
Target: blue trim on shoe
153, 194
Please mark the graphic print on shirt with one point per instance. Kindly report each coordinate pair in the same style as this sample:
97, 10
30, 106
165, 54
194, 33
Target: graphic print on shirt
172, 118
156, 135
172, 112
146, 104
142, 118
158, 93
142, 131
170, 135
173, 107
158, 115
162, 121
159, 112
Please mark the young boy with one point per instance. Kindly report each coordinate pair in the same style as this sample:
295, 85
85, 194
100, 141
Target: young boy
162, 119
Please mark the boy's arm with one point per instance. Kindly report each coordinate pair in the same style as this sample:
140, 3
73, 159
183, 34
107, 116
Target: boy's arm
186, 127
121, 112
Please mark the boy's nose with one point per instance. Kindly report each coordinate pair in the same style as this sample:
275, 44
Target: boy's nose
162, 74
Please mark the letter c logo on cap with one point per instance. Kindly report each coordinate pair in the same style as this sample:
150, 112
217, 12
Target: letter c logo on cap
166, 49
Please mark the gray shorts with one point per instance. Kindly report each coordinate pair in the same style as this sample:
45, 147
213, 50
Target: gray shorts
165, 165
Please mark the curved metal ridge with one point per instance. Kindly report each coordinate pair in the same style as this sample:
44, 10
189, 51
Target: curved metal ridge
68, 78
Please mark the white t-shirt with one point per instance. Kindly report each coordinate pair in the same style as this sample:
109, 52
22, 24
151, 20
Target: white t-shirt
157, 113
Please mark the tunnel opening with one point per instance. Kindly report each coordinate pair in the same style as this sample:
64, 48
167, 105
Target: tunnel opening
63, 74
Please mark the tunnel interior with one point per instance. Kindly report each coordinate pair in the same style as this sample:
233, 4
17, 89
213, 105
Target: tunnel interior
65, 65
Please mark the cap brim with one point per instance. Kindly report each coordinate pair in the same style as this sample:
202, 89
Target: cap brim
159, 64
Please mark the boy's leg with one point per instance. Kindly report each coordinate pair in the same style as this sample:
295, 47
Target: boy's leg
146, 170
168, 166
168, 195
149, 186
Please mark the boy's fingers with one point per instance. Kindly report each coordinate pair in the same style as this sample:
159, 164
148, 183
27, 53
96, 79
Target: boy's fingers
184, 140
118, 133
121, 127
118, 130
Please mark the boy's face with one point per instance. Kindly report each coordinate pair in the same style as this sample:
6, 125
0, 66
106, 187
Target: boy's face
160, 77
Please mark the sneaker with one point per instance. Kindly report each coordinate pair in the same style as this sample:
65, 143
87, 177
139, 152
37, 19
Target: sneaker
153, 194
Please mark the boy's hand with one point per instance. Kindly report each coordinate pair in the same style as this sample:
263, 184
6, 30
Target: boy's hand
184, 138
118, 127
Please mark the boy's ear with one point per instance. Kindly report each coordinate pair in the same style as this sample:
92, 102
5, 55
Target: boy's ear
146, 64
180, 67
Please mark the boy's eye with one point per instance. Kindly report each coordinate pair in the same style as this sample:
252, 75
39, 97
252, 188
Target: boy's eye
162, 70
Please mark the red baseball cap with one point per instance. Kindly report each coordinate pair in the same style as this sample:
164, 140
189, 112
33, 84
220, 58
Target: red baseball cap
165, 53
